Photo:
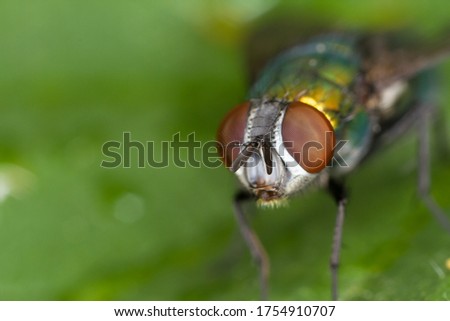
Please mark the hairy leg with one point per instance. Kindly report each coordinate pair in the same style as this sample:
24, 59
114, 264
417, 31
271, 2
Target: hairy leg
253, 243
337, 190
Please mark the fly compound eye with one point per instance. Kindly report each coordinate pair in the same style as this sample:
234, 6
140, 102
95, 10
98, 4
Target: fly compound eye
308, 136
230, 135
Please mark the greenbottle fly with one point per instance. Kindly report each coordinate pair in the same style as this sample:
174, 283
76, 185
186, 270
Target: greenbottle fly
319, 109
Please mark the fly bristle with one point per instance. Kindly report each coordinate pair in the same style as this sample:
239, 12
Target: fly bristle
272, 203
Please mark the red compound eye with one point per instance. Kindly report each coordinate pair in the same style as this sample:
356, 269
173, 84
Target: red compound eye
231, 133
308, 136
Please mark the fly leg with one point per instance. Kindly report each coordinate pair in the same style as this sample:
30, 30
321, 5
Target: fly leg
255, 246
424, 180
337, 190
441, 136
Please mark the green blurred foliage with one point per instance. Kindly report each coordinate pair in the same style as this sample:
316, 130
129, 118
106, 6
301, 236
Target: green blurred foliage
76, 74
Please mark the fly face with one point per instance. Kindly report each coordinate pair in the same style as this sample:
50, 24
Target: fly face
276, 148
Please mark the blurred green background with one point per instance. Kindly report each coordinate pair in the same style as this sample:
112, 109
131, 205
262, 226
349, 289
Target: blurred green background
75, 74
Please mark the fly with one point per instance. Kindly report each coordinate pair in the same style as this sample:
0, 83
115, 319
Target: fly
315, 113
